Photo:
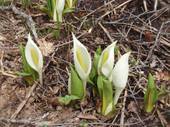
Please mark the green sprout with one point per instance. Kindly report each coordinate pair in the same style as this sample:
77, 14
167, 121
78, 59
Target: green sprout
70, 6
151, 94
26, 3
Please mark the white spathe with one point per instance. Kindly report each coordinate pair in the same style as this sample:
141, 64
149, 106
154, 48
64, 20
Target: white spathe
106, 60
59, 7
82, 59
34, 56
120, 75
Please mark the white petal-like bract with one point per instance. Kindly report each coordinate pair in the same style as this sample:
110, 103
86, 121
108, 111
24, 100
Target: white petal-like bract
106, 60
120, 75
82, 59
59, 7
34, 56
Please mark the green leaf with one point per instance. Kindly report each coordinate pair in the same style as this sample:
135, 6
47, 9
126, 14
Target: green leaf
93, 74
76, 86
100, 85
26, 3
107, 100
23, 74
97, 57
67, 99
70, 6
68, 10
151, 94
106, 94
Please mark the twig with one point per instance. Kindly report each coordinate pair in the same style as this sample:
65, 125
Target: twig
162, 119
123, 110
98, 8
107, 33
53, 123
2, 68
20, 107
8, 74
155, 44
117, 7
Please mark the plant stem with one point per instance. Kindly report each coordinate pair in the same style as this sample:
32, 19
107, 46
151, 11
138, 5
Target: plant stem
41, 77
84, 85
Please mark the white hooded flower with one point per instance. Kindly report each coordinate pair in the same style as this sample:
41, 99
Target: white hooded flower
59, 7
34, 56
106, 60
82, 59
120, 75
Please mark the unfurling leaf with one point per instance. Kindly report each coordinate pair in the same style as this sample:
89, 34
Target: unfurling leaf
93, 74
151, 95
75, 85
67, 99
70, 6
106, 94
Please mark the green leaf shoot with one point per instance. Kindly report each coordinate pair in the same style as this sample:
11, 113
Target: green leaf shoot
67, 99
76, 86
151, 94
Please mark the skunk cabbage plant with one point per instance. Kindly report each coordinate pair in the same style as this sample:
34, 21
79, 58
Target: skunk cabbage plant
120, 75
82, 64
34, 57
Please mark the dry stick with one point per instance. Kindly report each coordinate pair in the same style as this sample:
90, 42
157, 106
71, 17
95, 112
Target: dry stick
2, 68
98, 8
162, 119
117, 7
52, 123
22, 104
155, 44
163, 40
107, 33
123, 110
29, 20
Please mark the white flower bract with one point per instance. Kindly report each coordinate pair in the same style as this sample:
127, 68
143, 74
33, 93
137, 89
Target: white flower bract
82, 59
34, 56
120, 75
59, 7
106, 60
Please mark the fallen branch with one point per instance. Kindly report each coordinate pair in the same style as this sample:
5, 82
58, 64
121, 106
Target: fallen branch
29, 21
53, 123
